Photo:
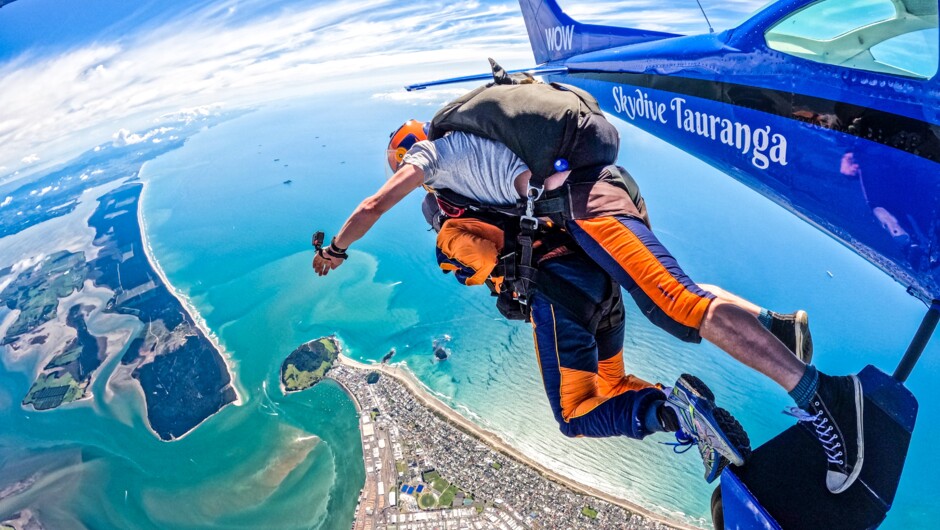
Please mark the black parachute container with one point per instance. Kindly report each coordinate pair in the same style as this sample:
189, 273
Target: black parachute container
541, 123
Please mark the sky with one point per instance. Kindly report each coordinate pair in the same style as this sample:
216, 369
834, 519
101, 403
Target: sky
74, 73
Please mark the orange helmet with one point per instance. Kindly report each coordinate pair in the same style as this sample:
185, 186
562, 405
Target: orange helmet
402, 139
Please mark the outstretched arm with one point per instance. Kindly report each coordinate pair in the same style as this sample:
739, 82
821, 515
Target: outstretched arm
368, 212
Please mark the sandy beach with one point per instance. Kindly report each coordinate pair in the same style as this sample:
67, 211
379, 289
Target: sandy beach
425, 397
184, 300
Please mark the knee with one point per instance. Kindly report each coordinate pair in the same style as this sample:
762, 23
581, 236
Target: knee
715, 290
723, 313
717, 310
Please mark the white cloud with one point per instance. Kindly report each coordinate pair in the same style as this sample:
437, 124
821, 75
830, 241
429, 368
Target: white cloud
6, 201
429, 96
255, 54
190, 115
45, 190
124, 137
30, 159
27, 263
68, 101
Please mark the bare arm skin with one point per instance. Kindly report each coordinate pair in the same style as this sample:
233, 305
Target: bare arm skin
403, 182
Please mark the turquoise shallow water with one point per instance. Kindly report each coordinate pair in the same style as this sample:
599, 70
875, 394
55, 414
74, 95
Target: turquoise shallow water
235, 240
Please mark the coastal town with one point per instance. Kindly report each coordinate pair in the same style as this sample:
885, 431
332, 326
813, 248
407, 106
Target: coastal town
429, 468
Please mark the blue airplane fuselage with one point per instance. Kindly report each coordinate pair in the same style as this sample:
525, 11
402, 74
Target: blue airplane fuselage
854, 152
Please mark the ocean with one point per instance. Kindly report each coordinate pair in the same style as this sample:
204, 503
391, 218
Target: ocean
234, 239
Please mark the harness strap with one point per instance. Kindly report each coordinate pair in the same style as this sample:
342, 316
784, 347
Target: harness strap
552, 203
525, 272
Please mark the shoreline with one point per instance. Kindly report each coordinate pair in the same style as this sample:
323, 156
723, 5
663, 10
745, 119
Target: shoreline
187, 306
352, 397
426, 398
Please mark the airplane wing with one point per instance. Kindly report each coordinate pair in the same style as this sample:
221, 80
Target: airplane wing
488, 76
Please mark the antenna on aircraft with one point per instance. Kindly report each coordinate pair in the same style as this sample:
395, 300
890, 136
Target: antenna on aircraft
710, 28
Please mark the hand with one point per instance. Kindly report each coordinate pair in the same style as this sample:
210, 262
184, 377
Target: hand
323, 263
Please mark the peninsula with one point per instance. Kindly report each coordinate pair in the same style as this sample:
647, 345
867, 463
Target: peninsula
95, 294
182, 374
429, 467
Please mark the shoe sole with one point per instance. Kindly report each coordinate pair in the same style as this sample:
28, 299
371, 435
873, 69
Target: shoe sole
698, 387
733, 433
801, 325
859, 425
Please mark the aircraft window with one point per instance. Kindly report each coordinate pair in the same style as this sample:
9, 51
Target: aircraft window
916, 52
888, 36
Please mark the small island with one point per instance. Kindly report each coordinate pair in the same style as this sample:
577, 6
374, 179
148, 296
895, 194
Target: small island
66, 377
439, 345
388, 356
307, 365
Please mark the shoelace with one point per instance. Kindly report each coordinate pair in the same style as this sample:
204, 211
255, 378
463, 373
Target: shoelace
683, 442
823, 431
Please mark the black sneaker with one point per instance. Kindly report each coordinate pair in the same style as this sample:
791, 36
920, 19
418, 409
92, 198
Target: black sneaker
793, 331
834, 417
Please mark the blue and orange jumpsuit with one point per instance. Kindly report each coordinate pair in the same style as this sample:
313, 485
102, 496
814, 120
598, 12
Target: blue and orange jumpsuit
589, 391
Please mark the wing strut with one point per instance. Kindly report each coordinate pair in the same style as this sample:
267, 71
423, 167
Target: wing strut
918, 343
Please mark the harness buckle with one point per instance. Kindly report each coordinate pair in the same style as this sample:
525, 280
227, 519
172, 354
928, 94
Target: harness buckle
528, 223
532, 194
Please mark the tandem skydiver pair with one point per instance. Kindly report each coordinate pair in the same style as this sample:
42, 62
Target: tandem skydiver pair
529, 201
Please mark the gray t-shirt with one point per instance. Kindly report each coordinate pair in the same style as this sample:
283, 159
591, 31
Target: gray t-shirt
470, 165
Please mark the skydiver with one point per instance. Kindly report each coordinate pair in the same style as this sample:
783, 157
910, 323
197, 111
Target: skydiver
594, 397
